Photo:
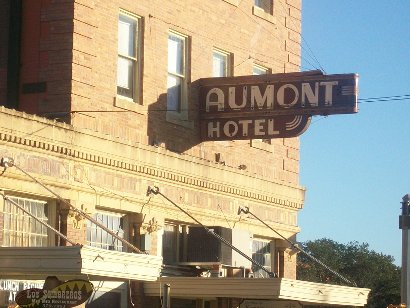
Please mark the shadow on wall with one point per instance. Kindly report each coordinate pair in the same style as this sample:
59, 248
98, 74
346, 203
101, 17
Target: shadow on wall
176, 130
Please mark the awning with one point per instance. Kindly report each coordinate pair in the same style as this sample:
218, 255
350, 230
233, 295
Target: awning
260, 288
78, 262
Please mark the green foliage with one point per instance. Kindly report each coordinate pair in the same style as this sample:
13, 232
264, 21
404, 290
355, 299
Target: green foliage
354, 261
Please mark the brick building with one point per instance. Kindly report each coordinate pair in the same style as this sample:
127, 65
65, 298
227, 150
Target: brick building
100, 102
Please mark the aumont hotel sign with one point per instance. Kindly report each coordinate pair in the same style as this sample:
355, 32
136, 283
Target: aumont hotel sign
272, 106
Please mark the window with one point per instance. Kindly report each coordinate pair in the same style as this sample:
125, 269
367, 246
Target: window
264, 9
177, 74
174, 243
128, 72
260, 70
261, 253
20, 229
221, 63
265, 5
97, 237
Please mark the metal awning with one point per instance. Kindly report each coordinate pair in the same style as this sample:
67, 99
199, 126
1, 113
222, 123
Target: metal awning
77, 262
260, 288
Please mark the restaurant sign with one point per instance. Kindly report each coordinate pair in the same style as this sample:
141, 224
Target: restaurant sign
66, 295
272, 106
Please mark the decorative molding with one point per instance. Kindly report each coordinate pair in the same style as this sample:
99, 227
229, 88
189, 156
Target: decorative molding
151, 226
77, 219
149, 171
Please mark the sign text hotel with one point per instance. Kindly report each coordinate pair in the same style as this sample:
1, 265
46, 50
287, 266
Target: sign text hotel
269, 106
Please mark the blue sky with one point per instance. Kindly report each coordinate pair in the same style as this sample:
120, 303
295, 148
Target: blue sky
356, 168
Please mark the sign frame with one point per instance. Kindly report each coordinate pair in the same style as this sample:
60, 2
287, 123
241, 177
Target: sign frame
273, 97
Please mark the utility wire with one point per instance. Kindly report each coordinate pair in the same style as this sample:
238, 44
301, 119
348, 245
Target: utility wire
155, 191
402, 97
309, 51
385, 98
296, 246
278, 64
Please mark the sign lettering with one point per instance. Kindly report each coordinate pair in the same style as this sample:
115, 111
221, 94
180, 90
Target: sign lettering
66, 295
272, 106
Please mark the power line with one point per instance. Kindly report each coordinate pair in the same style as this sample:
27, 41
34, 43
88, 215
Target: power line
309, 51
402, 97
385, 98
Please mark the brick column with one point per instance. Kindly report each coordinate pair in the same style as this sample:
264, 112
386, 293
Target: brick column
73, 225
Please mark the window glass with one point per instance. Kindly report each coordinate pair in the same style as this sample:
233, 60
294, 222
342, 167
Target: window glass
265, 5
220, 64
126, 36
259, 70
19, 228
174, 243
169, 244
261, 254
127, 64
176, 81
175, 55
97, 237
174, 93
125, 74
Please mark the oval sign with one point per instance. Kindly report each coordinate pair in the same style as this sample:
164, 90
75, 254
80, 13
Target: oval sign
66, 295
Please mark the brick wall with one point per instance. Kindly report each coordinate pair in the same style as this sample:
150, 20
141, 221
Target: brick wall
45, 57
249, 38
71, 47
4, 33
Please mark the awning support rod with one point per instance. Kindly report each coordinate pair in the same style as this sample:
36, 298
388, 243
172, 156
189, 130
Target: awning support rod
296, 246
156, 191
39, 220
9, 162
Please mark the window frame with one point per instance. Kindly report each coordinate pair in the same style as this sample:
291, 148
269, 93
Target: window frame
262, 144
179, 116
49, 206
258, 272
179, 245
261, 11
262, 4
135, 99
261, 68
91, 228
228, 64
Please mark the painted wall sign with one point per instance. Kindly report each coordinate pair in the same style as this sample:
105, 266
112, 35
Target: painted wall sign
66, 295
10, 288
246, 107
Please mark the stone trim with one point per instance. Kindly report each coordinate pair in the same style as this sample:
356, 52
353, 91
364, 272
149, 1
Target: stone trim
150, 171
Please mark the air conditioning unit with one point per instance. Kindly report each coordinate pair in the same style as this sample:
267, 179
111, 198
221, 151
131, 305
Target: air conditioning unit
203, 247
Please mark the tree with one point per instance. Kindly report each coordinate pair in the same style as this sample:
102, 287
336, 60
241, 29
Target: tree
354, 261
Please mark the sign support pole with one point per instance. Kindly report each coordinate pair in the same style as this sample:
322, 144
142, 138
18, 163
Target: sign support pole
405, 254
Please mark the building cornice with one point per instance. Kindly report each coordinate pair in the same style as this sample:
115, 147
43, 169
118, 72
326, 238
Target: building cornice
61, 148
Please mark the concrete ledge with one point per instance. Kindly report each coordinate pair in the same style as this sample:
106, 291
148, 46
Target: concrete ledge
261, 288
77, 262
